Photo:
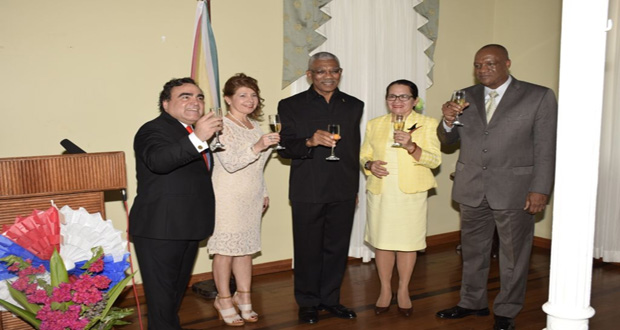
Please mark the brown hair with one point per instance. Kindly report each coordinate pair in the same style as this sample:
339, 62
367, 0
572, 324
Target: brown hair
241, 80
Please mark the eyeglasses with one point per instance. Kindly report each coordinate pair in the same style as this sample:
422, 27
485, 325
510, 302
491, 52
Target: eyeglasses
402, 97
322, 72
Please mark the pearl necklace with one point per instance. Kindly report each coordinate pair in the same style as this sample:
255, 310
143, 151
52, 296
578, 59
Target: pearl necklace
239, 121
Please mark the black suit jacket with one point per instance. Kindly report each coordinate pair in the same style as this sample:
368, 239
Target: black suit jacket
175, 198
314, 179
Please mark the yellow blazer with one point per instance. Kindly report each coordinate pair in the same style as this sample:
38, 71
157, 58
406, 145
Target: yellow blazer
413, 176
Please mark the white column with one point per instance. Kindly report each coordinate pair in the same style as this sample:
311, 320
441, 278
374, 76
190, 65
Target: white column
582, 60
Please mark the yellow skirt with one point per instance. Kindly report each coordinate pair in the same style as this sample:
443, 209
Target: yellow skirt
396, 221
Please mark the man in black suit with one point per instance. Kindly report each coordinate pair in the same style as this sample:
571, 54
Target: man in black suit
323, 193
174, 208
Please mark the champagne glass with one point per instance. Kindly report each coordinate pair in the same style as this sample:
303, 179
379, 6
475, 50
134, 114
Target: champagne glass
217, 145
276, 127
334, 129
399, 125
458, 97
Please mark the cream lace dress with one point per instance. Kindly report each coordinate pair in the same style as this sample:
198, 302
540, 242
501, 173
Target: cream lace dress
239, 186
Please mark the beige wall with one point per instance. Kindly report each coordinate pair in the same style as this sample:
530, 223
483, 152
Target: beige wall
91, 71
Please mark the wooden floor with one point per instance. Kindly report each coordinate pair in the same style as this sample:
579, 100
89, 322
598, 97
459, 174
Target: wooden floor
435, 286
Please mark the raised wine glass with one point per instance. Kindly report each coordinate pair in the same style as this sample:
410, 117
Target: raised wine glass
458, 97
334, 129
217, 145
276, 127
399, 125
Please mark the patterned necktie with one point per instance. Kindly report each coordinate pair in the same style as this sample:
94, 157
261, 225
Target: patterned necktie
204, 153
491, 105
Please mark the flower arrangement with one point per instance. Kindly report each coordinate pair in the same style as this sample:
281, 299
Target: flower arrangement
72, 302
63, 270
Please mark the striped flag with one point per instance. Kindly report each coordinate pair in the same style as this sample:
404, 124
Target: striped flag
204, 58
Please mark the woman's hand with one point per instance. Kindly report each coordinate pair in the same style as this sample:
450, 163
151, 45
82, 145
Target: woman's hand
402, 137
377, 169
266, 141
265, 204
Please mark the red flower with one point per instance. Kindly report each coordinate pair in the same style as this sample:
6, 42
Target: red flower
97, 266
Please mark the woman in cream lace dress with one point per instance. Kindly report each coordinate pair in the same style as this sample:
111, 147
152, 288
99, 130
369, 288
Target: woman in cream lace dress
240, 197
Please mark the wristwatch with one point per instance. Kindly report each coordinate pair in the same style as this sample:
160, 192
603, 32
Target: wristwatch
367, 165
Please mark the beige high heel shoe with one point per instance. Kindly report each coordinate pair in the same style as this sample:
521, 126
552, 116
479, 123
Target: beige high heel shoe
229, 315
247, 313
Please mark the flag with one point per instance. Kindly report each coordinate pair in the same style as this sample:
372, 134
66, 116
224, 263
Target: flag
204, 58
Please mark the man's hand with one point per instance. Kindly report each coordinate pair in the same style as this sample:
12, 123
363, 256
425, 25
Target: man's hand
321, 138
207, 125
535, 202
450, 110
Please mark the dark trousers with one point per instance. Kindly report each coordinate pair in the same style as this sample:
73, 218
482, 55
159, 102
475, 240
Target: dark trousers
516, 232
165, 267
321, 236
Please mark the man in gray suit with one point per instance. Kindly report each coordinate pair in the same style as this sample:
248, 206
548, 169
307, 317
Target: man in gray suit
504, 176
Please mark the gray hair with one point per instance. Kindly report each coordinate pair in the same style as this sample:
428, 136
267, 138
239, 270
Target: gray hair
322, 56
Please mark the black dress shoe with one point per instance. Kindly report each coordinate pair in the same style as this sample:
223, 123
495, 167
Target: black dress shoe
308, 315
504, 323
405, 311
339, 311
458, 312
381, 310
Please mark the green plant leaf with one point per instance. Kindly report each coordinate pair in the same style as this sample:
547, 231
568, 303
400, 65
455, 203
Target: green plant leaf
115, 292
97, 253
92, 323
24, 314
10, 260
43, 284
118, 313
58, 271
21, 298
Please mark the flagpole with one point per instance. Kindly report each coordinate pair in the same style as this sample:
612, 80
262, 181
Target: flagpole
205, 58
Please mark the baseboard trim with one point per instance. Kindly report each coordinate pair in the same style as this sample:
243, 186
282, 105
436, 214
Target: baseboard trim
260, 269
445, 238
544, 243
287, 264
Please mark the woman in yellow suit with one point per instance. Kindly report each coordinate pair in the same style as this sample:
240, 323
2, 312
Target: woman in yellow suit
396, 191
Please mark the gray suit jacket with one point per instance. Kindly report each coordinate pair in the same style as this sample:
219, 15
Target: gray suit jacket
512, 155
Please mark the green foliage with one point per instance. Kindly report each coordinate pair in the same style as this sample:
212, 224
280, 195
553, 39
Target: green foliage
58, 272
24, 314
107, 319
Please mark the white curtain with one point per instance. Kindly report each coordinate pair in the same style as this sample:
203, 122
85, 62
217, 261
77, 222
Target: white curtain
607, 230
377, 42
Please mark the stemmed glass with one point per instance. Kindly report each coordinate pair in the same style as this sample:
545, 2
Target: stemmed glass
217, 145
399, 125
334, 129
276, 127
458, 97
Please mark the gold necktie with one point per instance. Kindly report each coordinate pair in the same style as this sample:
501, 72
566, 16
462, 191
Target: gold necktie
491, 105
